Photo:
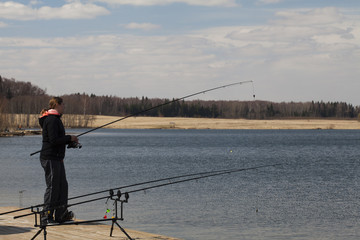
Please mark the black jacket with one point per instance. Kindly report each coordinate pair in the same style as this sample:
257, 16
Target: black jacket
54, 138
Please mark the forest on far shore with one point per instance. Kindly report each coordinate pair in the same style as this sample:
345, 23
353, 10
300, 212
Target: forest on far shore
17, 97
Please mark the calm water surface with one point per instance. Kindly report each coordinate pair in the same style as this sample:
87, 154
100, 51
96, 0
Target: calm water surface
314, 194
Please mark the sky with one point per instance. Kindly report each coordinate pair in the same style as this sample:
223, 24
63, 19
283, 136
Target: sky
293, 50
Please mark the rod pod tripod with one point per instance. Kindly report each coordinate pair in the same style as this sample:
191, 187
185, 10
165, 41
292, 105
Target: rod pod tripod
116, 198
114, 219
42, 227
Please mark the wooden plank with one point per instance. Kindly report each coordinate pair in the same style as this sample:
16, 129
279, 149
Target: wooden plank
23, 228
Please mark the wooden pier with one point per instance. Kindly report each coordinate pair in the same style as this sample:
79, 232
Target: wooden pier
23, 228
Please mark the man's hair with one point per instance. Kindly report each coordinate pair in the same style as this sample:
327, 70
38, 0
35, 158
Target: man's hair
54, 101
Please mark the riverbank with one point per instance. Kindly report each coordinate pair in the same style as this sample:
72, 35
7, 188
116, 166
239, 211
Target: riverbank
214, 123
183, 123
23, 228
19, 133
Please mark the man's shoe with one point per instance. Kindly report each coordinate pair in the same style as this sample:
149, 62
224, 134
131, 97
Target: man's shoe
67, 216
51, 221
47, 221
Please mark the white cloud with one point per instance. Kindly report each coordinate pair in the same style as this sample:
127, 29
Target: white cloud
284, 37
14, 10
288, 62
308, 17
142, 26
305, 50
72, 10
209, 3
129, 64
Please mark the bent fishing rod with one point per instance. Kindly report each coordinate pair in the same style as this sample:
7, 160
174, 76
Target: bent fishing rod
186, 178
157, 106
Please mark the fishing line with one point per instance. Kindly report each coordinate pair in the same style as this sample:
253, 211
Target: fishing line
253, 88
157, 106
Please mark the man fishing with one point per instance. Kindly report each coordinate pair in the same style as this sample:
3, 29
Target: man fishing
52, 156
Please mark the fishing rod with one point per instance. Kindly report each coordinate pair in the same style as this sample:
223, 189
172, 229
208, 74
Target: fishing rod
187, 178
202, 175
205, 176
127, 186
118, 188
148, 182
151, 108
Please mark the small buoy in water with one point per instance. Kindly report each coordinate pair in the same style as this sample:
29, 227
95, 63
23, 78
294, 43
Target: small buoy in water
257, 210
231, 151
105, 217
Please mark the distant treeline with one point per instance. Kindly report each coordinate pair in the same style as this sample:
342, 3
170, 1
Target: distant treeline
115, 106
18, 97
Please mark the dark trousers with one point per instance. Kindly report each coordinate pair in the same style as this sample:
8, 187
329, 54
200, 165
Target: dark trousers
56, 193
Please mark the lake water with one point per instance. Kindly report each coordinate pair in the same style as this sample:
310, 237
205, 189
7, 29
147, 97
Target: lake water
314, 194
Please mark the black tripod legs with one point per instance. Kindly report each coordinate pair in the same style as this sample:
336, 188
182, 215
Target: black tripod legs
38, 232
122, 229
112, 228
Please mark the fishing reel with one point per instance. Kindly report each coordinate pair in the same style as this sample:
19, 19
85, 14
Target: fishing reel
74, 145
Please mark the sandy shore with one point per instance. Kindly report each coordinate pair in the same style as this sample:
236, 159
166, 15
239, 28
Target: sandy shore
23, 228
211, 123
192, 123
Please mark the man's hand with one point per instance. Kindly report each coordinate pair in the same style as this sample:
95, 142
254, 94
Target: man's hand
74, 139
